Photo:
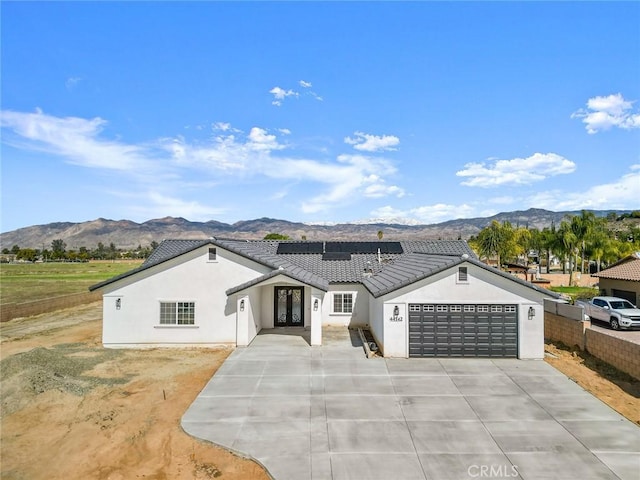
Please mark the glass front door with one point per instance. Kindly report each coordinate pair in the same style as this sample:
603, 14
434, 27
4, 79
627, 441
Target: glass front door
289, 307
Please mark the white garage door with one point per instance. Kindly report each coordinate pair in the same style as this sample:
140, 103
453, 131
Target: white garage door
469, 330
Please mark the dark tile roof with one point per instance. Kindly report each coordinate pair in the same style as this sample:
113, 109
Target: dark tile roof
380, 274
170, 249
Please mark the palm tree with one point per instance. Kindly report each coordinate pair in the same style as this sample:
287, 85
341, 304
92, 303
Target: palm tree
496, 240
569, 242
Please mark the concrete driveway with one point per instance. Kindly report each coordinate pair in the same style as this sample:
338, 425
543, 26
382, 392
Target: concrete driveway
329, 413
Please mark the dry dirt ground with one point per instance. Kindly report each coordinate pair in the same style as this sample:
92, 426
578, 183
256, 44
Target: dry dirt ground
71, 409
74, 410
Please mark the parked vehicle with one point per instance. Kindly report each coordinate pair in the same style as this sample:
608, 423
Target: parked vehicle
618, 312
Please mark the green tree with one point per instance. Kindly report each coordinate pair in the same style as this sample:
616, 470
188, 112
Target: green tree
27, 254
380, 234
497, 240
276, 236
58, 248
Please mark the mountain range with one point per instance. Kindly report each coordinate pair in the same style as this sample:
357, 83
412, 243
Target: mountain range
126, 234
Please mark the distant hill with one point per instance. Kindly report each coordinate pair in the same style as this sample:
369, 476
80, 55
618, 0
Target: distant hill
126, 234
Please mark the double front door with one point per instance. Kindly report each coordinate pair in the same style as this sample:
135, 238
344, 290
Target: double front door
289, 307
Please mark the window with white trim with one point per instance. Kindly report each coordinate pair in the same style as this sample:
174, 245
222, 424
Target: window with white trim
428, 308
469, 308
442, 308
496, 308
414, 308
455, 308
343, 303
483, 308
177, 313
510, 308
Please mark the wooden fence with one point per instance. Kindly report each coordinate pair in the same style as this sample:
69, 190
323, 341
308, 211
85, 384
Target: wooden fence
9, 311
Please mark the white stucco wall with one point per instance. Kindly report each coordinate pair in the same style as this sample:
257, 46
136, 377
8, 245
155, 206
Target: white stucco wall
190, 277
482, 287
360, 314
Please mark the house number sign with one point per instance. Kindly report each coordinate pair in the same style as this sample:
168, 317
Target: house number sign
395, 318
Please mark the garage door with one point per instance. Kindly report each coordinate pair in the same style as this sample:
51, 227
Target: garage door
627, 295
437, 330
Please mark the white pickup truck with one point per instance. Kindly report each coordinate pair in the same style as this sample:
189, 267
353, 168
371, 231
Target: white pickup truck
620, 313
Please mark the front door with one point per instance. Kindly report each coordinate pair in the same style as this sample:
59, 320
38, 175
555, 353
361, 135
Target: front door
289, 307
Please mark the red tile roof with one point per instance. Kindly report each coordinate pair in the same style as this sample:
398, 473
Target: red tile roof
626, 269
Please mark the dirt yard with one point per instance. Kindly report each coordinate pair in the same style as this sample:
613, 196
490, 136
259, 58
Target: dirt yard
74, 410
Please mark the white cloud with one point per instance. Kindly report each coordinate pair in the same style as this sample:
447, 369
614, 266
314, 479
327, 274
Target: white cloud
284, 131
259, 139
279, 94
154, 204
517, 171
72, 82
76, 139
304, 84
425, 214
372, 143
603, 113
236, 157
618, 194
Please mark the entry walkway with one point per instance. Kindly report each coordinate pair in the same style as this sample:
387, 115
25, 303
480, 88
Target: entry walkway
329, 413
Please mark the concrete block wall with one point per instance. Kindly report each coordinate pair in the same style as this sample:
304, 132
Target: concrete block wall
566, 330
621, 353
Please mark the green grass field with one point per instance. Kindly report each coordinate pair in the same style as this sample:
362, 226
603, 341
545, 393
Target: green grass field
25, 282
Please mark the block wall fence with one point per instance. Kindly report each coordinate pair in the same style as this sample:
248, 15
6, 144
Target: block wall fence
565, 323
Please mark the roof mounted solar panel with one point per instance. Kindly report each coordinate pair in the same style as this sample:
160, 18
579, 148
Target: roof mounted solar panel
336, 256
299, 247
364, 247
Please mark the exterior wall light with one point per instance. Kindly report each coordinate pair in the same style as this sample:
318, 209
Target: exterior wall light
315, 305
242, 305
532, 313
118, 303
396, 311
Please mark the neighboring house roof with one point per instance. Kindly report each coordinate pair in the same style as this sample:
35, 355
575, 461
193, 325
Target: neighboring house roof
380, 273
626, 269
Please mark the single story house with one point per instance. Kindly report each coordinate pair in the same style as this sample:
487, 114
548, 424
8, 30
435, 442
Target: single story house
418, 298
622, 279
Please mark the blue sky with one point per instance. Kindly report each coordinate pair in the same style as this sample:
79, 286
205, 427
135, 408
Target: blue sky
317, 112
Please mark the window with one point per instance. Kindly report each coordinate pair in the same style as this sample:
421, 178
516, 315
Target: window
455, 308
442, 308
212, 254
177, 313
483, 308
462, 274
414, 308
469, 308
496, 308
510, 308
343, 303
429, 308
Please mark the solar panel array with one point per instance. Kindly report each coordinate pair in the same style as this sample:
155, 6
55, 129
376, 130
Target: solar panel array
339, 247
336, 256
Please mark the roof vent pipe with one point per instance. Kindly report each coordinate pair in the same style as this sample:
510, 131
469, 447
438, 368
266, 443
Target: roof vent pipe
379, 257
324, 247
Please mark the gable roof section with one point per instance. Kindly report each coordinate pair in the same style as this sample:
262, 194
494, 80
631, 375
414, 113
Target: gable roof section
626, 269
167, 250
418, 266
297, 274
